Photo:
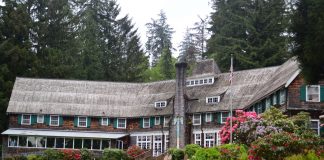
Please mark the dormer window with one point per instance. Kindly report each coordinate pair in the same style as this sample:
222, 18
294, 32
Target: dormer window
160, 104
213, 100
202, 81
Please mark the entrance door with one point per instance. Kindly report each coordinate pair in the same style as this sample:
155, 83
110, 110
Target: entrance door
157, 145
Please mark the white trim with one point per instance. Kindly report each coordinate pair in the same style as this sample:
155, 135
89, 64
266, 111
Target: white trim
166, 124
156, 120
118, 123
193, 119
319, 93
86, 121
292, 78
318, 125
160, 104
209, 140
212, 100
58, 120
200, 81
149, 122
22, 119
211, 117
102, 121
224, 117
42, 120
195, 138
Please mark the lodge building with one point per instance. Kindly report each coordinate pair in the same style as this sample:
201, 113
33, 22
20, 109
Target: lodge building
53, 113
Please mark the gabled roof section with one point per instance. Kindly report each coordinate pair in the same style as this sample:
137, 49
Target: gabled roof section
208, 67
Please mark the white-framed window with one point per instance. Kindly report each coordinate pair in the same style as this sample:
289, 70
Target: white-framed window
146, 123
218, 138
54, 120
144, 142
208, 117
282, 96
12, 141
166, 121
104, 121
209, 139
160, 104
313, 93
26, 119
268, 103
315, 126
82, 121
274, 99
196, 119
259, 108
157, 121
121, 123
196, 82
40, 118
120, 144
213, 100
197, 138
224, 116
166, 142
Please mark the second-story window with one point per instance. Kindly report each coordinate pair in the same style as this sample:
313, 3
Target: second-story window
40, 118
224, 116
121, 123
54, 120
282, 96
208, 117
104, 121
196, 119
166, 121
82, 121
213, 100
26, 119
313, 93
157, 121
146, 122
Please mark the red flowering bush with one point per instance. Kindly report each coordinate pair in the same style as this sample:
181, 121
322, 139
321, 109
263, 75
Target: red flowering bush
69, 154
134, 151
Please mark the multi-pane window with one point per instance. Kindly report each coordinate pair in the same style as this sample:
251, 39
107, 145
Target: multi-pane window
282, 96
213, 100
54, 120
224, 116
313, 93
82, 121
218, 139
12, 141
121, 123
104, 121
157, 121
208, 117
160, 104
196, 119
166, 121
203, 81
198, 138
146, 122
314, 125
40, 118
26, 119
166, 142
144, 142
274, 99
268, 102
209, 139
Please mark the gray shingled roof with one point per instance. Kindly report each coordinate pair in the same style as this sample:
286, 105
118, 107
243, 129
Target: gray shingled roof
114, 99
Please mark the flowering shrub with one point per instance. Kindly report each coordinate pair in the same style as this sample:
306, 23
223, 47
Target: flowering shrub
69, 154
134, 151
233, 151
241, 117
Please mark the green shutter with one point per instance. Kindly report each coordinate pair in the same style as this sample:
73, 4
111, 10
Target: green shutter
33, 119
203, 118
19, 118
47, 119
141, 123
162, 120
60, 120
115, 123
99, 120
278, 97
219, 118
76, 121
322, 93
302, 93
152, 121
212, 117
88, 122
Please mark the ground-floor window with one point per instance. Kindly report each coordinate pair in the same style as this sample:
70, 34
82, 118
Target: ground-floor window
120, 144
144, 142
157, 145
166, 142
59, 142
314, 125
197, 138
209, 139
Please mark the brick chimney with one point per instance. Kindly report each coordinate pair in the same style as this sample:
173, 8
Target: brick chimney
178, 123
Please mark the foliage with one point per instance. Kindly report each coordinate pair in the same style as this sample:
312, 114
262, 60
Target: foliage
274, 117
309, 156
35, 157
308, 30
191, 149
177, 154
134, 151
114, 154
85, 154
53, 154
206, 154
70, 154
301, 122
253, 31
233, 152
188, 48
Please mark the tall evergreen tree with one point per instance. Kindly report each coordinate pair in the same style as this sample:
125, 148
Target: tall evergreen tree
200, 35
308, 30
189, 47
252, 30
159, 34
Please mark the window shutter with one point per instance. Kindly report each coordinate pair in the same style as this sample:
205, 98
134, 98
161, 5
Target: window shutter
33, 119
162, 120
141, 123
60, 120
47, 119
76, 121
202, 118
152, 121
219, 118
99, 121
303, 93
88, 122
322, 93
108, 119
115, 123
278, 97
19, 118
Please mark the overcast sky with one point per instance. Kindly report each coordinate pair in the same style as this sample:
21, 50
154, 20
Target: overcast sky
180, 13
